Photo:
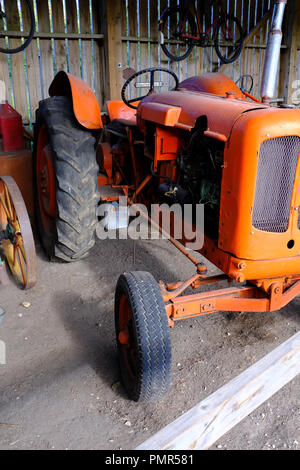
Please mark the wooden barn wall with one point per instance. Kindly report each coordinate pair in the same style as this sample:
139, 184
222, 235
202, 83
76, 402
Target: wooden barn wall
67, 38
297, 86
140, 48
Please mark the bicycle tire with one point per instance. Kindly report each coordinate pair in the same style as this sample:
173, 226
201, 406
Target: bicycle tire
29, 38
163, 24
232, 58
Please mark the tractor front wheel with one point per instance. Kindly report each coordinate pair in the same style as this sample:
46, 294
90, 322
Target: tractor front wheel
65, 180
143, 337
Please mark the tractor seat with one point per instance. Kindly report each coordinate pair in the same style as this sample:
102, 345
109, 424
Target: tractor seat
119, 127
122, 117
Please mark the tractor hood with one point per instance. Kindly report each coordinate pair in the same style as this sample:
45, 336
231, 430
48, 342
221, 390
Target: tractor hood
183, 107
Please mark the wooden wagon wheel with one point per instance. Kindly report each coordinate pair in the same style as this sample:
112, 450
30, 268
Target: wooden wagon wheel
16, 234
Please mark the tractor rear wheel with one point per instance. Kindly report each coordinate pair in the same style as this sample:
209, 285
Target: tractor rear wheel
143, 337
65, 180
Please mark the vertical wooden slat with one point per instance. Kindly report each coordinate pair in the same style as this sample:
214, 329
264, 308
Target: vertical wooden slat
132, 15
59, 27
125, 32
238, 12
289, 57
198, 54
79, 15
113, 47
4, 71
99, 60
4, 74
45, 45
53, 51
37, 60
143, 32
31, 95
87, 63
164, 60
17, 62
74, 44
154, 13
34, 76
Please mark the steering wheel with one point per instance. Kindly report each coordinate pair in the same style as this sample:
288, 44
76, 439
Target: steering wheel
151, 84
243, 79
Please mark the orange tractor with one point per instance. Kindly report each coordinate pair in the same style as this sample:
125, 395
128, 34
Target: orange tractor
200, 141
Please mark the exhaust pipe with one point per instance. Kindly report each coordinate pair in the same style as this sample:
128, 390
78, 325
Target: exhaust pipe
273, 52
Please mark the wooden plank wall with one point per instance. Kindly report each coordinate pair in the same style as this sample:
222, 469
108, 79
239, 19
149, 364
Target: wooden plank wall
297, 85
28, 74
140, 48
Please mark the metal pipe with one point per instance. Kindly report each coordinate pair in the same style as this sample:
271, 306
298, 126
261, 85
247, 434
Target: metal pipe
273, 52
201, 267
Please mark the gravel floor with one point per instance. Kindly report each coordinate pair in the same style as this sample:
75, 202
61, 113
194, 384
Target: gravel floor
60, 388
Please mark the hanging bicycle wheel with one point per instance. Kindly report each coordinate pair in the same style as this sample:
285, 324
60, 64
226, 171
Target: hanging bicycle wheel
16, 234
7, 21
176, 30
229, 39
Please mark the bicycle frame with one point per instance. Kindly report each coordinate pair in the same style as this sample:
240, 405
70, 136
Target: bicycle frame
190, 8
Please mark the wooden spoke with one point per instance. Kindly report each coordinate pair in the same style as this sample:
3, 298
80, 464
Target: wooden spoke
14, 255
21, 245
10, 210
21, 265
4, 206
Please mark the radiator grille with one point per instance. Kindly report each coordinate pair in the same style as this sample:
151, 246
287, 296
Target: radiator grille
274, 183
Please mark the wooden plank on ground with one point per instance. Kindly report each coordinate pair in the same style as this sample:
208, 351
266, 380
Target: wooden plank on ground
204, 424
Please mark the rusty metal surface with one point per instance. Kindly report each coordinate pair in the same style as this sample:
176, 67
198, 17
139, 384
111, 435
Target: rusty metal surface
221, 112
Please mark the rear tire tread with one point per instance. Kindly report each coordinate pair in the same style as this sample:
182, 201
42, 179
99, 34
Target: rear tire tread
76, 178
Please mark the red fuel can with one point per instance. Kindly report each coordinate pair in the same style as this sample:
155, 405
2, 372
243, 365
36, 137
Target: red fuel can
11, 128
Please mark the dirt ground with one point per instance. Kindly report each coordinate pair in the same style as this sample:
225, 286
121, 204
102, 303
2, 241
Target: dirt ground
60, 387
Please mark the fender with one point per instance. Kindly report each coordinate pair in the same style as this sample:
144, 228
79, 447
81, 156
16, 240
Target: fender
85, 104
